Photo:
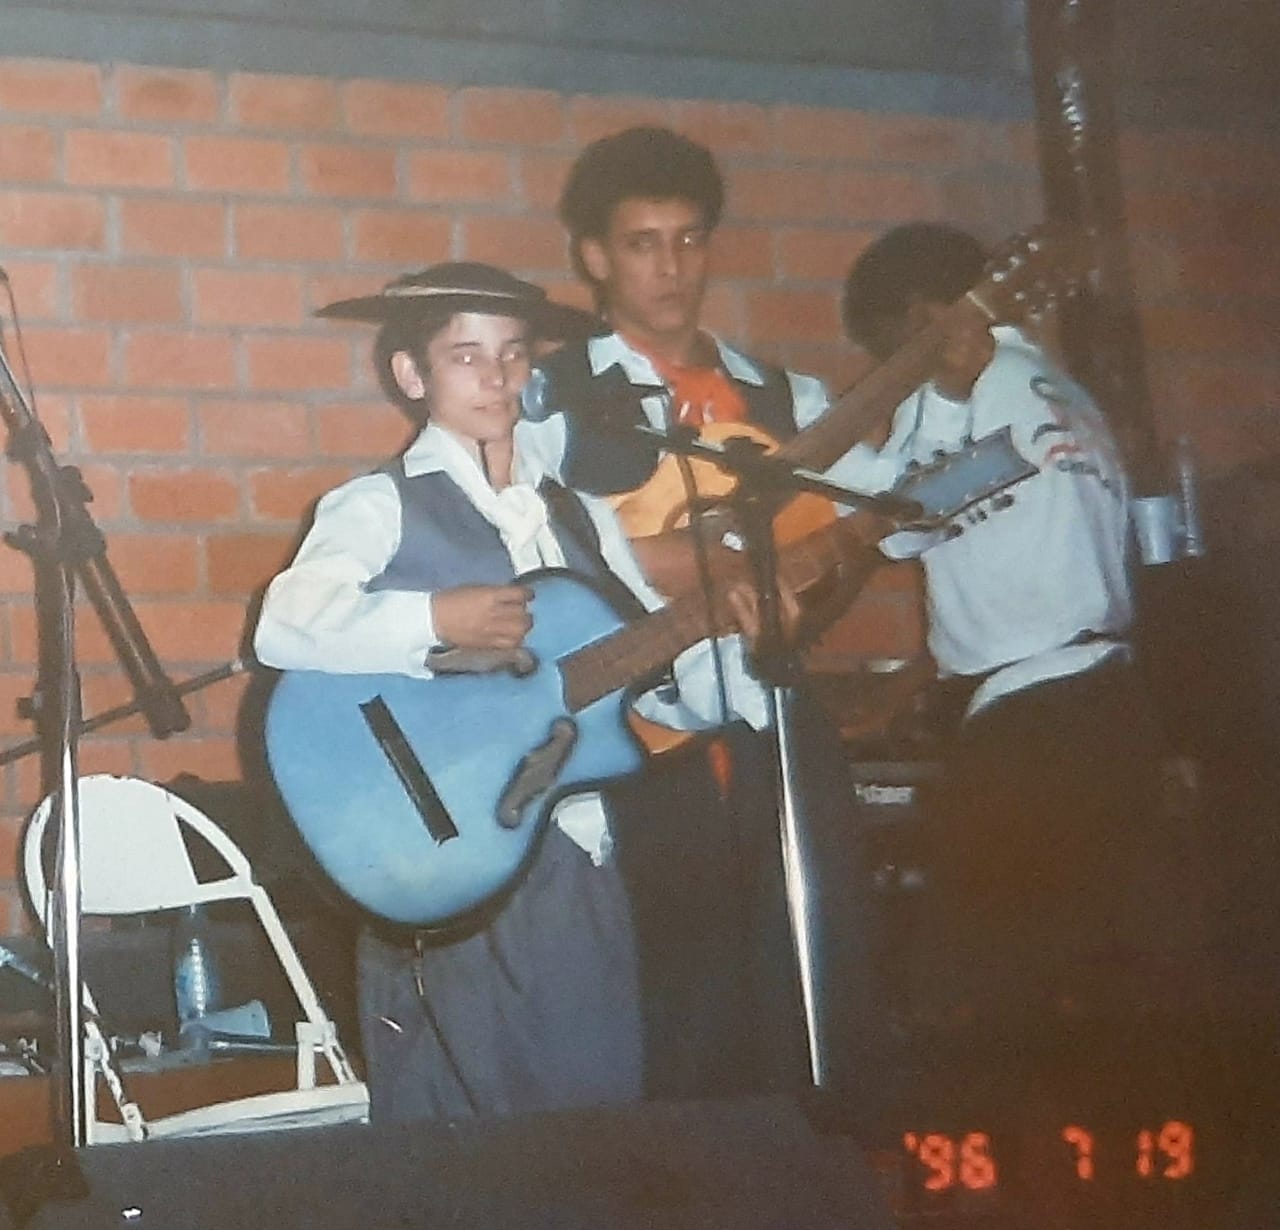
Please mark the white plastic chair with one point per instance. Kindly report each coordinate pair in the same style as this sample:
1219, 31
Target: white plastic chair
133, 860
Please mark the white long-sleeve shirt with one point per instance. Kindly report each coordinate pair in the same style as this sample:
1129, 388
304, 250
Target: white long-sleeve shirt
319, 614
1018, 585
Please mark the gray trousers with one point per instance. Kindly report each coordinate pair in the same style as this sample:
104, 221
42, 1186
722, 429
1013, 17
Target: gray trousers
538, 1011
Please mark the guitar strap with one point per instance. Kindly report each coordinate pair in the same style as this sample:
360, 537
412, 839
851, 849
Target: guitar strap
568, 513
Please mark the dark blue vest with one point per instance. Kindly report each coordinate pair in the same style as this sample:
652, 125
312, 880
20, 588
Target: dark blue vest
445, 542
602, 453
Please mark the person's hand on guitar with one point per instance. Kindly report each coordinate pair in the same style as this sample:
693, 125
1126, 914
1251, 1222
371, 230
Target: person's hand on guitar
482, 616
744, 602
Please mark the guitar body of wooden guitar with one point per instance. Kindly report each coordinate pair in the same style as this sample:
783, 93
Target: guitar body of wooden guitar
663, 503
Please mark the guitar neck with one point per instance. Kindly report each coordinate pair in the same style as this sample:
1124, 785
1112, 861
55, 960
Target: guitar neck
863, 407
642, 648
942, 488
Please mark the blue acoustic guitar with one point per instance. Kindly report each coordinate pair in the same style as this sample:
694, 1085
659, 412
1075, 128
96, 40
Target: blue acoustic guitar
423, 799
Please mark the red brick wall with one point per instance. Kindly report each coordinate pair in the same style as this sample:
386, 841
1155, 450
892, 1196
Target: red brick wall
168, 234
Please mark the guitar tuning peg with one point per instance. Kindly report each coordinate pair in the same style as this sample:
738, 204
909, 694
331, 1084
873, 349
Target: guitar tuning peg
1002, 501
953, 532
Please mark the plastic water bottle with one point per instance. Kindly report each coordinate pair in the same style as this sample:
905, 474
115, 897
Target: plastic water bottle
196, 988
1187, 487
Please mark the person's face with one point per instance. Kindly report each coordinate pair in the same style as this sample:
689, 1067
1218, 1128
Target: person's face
476, 367
651, 267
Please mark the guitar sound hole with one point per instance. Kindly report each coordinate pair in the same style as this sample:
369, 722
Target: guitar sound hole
391, 739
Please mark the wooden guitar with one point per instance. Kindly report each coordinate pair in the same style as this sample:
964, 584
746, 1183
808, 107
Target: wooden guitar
1027, 273
422, 799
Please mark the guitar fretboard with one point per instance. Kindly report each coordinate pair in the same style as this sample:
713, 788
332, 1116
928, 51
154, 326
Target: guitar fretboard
644, 647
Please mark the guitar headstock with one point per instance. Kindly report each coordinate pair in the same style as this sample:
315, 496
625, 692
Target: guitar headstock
954, 482
1029, 272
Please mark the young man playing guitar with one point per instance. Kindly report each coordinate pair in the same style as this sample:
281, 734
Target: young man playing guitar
641, 208
529, 1002
1047, 809
699, 844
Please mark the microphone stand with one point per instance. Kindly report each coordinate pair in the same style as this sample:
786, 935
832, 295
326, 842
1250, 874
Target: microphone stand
764, 482
774, 663
65, 544
771, 478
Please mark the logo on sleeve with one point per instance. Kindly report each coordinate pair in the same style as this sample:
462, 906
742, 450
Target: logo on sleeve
1074, 448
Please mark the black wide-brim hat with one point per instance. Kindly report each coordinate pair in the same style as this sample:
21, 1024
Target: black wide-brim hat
467, 286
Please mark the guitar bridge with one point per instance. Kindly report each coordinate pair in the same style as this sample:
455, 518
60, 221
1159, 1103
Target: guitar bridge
537, 771
390, 738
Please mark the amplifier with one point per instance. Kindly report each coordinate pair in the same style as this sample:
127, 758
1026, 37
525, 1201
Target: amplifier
891, 798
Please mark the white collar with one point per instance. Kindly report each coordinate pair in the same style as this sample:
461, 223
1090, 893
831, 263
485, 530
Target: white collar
436, 451
605, 351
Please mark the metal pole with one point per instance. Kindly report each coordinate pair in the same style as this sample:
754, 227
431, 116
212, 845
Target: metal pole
63, 693
796, 860
1072, 49
72, 1118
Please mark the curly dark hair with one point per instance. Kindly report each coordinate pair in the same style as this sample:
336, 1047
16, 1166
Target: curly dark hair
926, 260
648, 162
412, 333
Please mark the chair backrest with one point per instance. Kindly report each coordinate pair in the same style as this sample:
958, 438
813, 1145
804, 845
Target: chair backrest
134, 857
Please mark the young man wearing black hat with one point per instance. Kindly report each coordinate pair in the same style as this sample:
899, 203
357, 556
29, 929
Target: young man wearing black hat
532, 1007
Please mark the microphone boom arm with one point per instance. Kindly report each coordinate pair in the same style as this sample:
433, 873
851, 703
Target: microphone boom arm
80, 544
761, 472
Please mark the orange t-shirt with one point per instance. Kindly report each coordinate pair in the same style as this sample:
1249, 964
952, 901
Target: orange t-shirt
700, 394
